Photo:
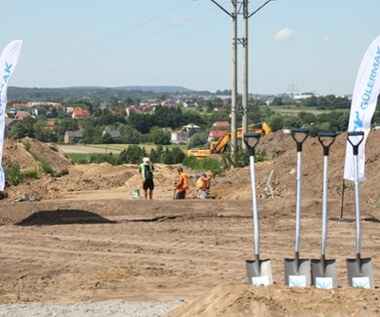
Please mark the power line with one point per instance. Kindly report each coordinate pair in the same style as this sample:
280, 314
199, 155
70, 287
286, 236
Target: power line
113, 61
105, 40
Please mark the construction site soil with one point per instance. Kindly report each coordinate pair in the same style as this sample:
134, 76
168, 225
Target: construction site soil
82, 235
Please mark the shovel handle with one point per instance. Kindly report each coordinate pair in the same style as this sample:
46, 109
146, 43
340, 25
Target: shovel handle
300, 140
326, 139
355, 146
251, 140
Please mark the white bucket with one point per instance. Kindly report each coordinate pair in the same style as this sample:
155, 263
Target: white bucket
136, 193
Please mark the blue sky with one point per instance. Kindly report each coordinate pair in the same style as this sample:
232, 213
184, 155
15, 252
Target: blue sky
294, 45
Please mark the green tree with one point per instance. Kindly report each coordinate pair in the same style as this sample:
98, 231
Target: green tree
277, 101
67, 124
276, 122
198, 139
343, 121
129, 135
91, 132
173, 156
133, 155
156, 154
292, 122
141, 122
18, 130
106, 138
307, 117
25, 128
159, 136
177, 155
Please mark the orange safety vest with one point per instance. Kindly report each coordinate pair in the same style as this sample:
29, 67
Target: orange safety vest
202, 183
183, 182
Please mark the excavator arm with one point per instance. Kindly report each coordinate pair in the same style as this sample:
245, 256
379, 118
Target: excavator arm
220, 145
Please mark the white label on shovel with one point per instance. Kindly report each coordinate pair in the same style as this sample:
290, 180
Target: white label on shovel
361, 282
324, 282
297, 280
260, 280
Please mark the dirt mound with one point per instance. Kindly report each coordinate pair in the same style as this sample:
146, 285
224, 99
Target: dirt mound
79, 178
32, 154
14, 151
235, 184
275, 144
243, 300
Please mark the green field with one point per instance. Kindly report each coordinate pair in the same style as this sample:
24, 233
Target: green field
147, 147
92, 151
293, 110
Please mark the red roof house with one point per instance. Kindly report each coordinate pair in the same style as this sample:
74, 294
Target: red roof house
220, 124
80, 113
216, 134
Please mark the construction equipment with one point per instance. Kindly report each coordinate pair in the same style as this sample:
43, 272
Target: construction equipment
359, 270
220, 145
258, 271
298, 271
323, 271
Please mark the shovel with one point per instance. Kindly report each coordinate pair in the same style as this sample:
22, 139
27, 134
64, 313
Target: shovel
297, 271
359, 270
323, 271
258, 271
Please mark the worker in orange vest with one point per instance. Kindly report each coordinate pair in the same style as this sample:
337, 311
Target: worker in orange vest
182, 184
203, 185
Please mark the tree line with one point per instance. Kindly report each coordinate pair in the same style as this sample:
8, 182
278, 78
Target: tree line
155, 127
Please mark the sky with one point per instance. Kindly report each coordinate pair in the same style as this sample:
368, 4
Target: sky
294, 46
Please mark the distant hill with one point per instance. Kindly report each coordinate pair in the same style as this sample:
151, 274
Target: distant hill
159, 89
92, 93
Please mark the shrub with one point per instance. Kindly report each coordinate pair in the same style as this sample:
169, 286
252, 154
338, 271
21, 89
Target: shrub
47, 167
26, 145
173, 156
13, 176
30, 173
101, 158
207, 164
133, 155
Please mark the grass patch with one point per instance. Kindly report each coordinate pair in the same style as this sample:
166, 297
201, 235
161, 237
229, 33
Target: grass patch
207, 164
47, 168
86, 158
79, 158
30, 173
13, 175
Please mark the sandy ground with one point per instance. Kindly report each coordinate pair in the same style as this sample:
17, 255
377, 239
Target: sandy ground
69, 251
84, 237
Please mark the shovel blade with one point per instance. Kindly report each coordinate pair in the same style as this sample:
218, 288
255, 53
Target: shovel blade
324, 273
297, 272
259, 275
359, 272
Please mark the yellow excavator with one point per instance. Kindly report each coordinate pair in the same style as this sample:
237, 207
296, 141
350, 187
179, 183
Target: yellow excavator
220, 145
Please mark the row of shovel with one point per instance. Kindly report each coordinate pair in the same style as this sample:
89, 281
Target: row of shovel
304, 272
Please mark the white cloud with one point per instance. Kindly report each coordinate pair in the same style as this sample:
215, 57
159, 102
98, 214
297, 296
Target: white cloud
284, 35
325, 38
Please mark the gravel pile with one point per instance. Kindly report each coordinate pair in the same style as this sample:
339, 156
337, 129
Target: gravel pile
115, 308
